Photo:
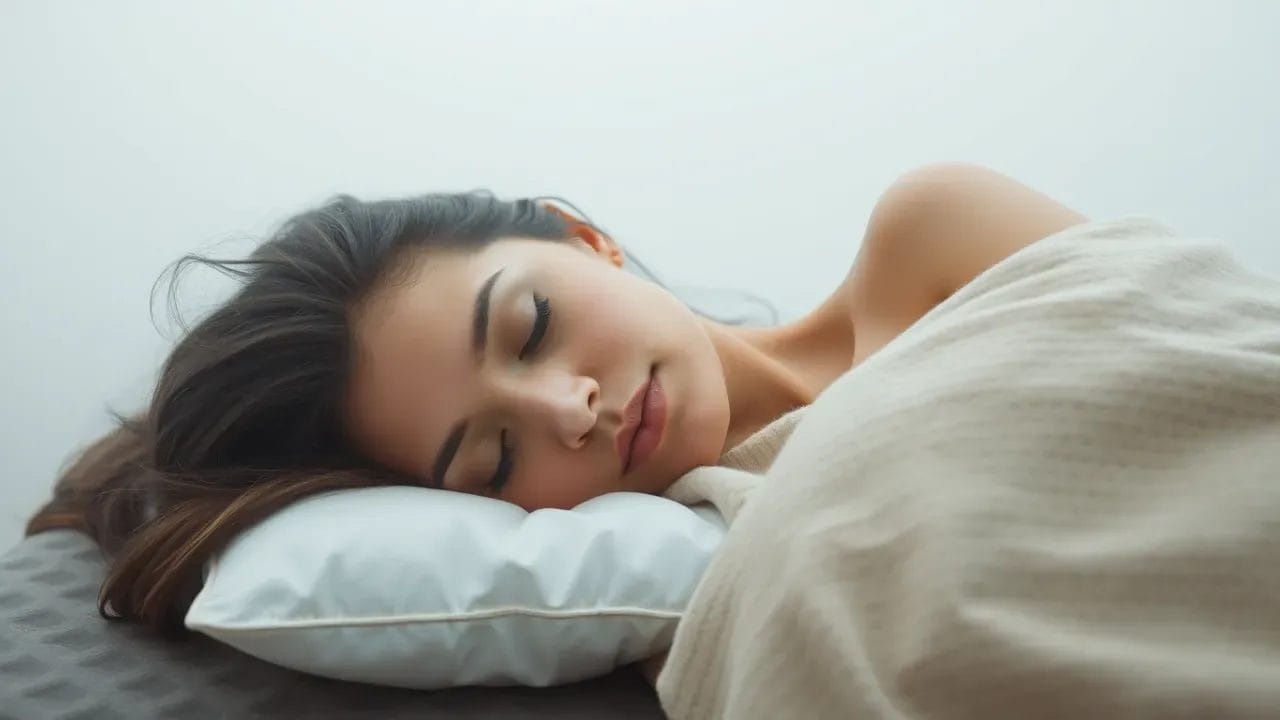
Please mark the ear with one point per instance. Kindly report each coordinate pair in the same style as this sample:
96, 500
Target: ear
590, 236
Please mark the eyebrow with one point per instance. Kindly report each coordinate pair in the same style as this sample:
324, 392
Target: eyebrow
480, 316
479, 341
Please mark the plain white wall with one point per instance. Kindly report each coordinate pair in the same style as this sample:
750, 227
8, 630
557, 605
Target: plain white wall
729, 144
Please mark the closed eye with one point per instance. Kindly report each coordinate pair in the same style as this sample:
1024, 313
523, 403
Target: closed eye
506, 457
542, 306
505, 462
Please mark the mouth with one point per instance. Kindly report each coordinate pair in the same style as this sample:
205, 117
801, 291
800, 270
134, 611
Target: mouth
644, 421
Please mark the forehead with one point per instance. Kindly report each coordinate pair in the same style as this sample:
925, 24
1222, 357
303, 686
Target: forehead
413, 347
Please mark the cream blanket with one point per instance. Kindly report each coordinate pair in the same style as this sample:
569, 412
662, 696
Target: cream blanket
1056, 495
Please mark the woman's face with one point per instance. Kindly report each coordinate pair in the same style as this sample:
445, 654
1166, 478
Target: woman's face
554, 394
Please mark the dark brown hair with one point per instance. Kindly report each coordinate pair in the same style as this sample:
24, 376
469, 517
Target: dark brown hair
247, 416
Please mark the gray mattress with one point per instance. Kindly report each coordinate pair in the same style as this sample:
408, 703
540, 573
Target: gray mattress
59, 659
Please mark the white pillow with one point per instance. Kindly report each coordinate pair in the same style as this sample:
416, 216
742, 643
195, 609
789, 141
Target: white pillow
427, 588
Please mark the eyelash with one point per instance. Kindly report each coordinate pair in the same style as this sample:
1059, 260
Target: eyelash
503, 473
543, 308
506, 456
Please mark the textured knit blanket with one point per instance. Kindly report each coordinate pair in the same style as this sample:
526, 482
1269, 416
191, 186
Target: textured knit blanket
1056, 495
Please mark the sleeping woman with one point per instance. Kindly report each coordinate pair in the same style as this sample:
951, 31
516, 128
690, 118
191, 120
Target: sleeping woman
498, 348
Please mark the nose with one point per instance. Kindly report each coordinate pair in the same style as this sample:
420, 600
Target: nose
563, 402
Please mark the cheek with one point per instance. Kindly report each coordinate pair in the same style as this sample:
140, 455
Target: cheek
555, 484
612, 304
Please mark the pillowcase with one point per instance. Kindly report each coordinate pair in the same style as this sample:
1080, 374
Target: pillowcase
424, 588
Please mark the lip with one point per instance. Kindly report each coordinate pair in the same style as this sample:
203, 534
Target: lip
646, 408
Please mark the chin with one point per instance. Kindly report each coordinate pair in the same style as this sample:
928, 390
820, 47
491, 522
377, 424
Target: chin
710, 441
661, 488
653, 482
697, 429
670, 472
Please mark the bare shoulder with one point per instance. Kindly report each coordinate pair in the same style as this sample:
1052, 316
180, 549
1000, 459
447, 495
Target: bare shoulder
931, 232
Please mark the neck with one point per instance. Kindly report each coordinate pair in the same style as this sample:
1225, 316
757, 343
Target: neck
771, 371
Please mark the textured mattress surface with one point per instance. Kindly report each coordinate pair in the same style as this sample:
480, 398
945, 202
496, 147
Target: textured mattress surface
59, 659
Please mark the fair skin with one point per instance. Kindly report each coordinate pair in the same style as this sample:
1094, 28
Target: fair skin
415, 377
561, 405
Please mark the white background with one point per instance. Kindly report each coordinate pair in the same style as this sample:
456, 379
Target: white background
728, 144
